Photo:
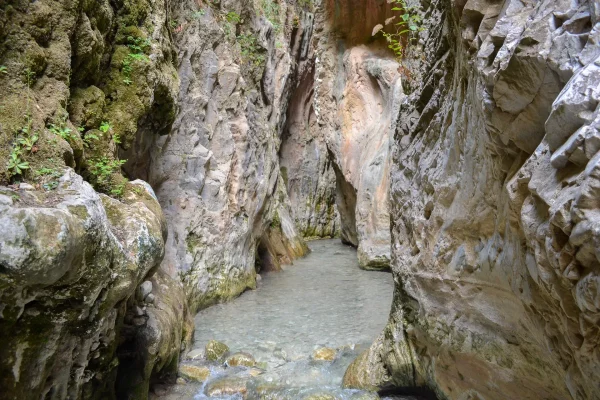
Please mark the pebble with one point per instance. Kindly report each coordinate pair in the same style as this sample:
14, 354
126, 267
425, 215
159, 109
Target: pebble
324, 354
240, 359
226, 387
195, 354
194, 372
215, 350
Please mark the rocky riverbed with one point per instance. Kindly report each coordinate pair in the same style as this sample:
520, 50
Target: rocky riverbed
291, 338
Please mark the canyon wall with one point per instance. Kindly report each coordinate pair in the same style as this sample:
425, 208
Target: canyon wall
97, 285
80, 80
494, 203
356, 93
216, 173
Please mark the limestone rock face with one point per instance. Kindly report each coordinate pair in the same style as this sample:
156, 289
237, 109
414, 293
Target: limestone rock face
357, 96
495, 205
70, 259
306, 164
86, 85
216, 173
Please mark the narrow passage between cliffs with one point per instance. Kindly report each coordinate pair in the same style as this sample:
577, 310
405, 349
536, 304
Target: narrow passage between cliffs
293, 337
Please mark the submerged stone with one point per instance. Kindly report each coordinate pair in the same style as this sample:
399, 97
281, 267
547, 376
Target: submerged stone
324, 354
215, 350
226, 387
194, 372
240, 359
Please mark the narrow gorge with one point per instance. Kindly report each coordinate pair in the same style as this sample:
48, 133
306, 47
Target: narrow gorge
300, 199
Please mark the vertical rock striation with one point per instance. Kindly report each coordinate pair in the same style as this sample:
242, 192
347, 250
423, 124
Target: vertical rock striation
216, 173
494, 205
357, 96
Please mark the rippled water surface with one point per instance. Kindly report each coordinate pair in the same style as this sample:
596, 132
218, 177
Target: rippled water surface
323, 300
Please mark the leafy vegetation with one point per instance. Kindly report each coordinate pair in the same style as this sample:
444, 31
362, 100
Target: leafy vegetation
198, 14
89, 138
23, 145
103, 171
3, 70
61, 130
405, 29
251, 50
233, 18
137, 52
48, 177
306, 4
104, 127
271, 11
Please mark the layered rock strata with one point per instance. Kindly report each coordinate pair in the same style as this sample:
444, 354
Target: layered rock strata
494, 201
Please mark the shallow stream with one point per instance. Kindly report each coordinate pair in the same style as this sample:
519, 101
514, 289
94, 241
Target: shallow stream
322, 301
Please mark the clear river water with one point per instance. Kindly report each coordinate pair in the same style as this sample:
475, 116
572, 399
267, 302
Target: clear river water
322, 301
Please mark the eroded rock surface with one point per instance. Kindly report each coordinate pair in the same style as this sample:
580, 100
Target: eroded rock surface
216, 174
357, 97
494, 204
70, 260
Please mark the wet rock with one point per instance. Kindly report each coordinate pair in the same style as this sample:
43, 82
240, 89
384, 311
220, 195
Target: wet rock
194, 373
321, 396
324, 354
281, 354
254, 372
240, 359
195, 354
226, 387
219, 181
215, 351
80, 248
366, 371
503, 232
149, 299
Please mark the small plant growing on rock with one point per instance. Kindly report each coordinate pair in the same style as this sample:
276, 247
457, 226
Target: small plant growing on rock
3, 70
233, 18
409, 24
102, 170
104, 127
89, 138
16, 165
271, 12
138, 45
198, 14
25, 142
116, 138
251, 50
137, 52
61, 130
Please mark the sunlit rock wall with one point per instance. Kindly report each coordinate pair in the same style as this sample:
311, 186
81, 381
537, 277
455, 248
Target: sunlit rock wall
357, 96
